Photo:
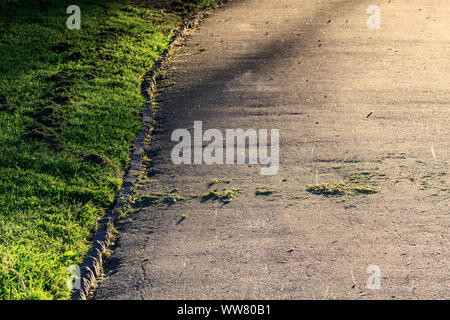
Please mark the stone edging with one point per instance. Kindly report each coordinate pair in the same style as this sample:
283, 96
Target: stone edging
91, 267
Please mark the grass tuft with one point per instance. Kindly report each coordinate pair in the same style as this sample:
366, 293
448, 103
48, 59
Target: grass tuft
264, 191
224, 196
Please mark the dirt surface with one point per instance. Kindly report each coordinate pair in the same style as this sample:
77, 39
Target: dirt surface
353, 105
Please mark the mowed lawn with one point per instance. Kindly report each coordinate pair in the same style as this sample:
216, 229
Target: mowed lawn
70, 107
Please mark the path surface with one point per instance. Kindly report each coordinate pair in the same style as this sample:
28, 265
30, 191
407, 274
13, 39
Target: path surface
313, 70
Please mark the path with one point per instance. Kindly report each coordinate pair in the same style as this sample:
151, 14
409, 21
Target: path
313, 70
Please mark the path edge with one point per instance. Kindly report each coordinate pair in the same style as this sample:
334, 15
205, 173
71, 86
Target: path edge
91, 268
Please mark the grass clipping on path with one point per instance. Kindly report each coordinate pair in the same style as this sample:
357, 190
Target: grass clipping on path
225, 196
354, 184
70, 106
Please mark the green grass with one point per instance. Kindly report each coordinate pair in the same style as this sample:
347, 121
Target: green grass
186, 7
70, 108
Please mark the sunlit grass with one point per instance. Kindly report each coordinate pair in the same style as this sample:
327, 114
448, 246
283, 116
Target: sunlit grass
70, 106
